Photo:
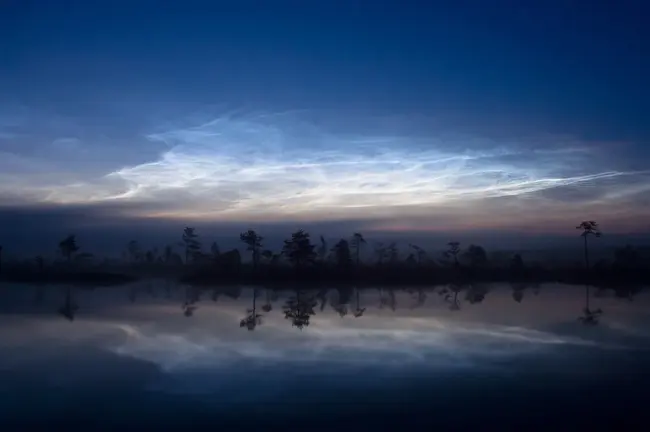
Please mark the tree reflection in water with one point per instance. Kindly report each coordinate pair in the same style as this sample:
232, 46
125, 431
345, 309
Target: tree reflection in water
359, 310
589, 316
341, 301
267, 307
518, 291
476, 293
302, 304
252, 319
419, 295
450, 294
387, 299
192, 297
69, 307
300, 308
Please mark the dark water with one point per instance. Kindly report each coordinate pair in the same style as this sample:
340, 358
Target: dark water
158, 355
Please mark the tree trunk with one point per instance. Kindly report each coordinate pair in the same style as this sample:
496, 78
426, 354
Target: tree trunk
586, 253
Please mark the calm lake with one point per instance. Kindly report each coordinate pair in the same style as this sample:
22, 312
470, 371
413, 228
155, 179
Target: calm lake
162, 355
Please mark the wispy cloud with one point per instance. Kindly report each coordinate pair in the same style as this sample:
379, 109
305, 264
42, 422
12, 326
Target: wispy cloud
408, 341
279, 166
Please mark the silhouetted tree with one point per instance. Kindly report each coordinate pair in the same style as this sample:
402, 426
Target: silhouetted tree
214, 249
252, 318
381, 252
170, 257
393, 253
0, 259
191, 242
253, 243
517, 266
133, 250
230, 260
271, 257
341, 251
68, 246
299, 250
411, 260
453, 251
476, 256
356, 242
589, 228
322, 249
420, 254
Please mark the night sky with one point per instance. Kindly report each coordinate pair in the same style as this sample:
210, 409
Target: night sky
373, 116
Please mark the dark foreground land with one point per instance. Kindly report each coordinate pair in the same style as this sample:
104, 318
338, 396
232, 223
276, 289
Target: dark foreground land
606, 276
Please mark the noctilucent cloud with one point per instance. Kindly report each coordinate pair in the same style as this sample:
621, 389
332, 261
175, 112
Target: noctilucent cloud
401, 117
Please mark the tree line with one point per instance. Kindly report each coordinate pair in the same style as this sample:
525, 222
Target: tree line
300, 258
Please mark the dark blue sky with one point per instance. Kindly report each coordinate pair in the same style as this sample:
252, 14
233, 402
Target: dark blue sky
394, 115
546, 61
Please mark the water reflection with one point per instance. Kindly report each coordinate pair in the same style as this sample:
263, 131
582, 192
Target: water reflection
476, 293
252, 319
347, 340
70, 307
299, 306
192, 298
590, 316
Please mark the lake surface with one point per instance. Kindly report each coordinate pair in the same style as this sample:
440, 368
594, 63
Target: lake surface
163, 355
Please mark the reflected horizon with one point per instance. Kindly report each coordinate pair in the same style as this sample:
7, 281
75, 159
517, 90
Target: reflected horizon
160, 339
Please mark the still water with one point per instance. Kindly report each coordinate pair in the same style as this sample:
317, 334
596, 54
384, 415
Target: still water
161, 355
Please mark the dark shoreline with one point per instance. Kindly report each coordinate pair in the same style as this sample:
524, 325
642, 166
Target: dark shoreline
318, 276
